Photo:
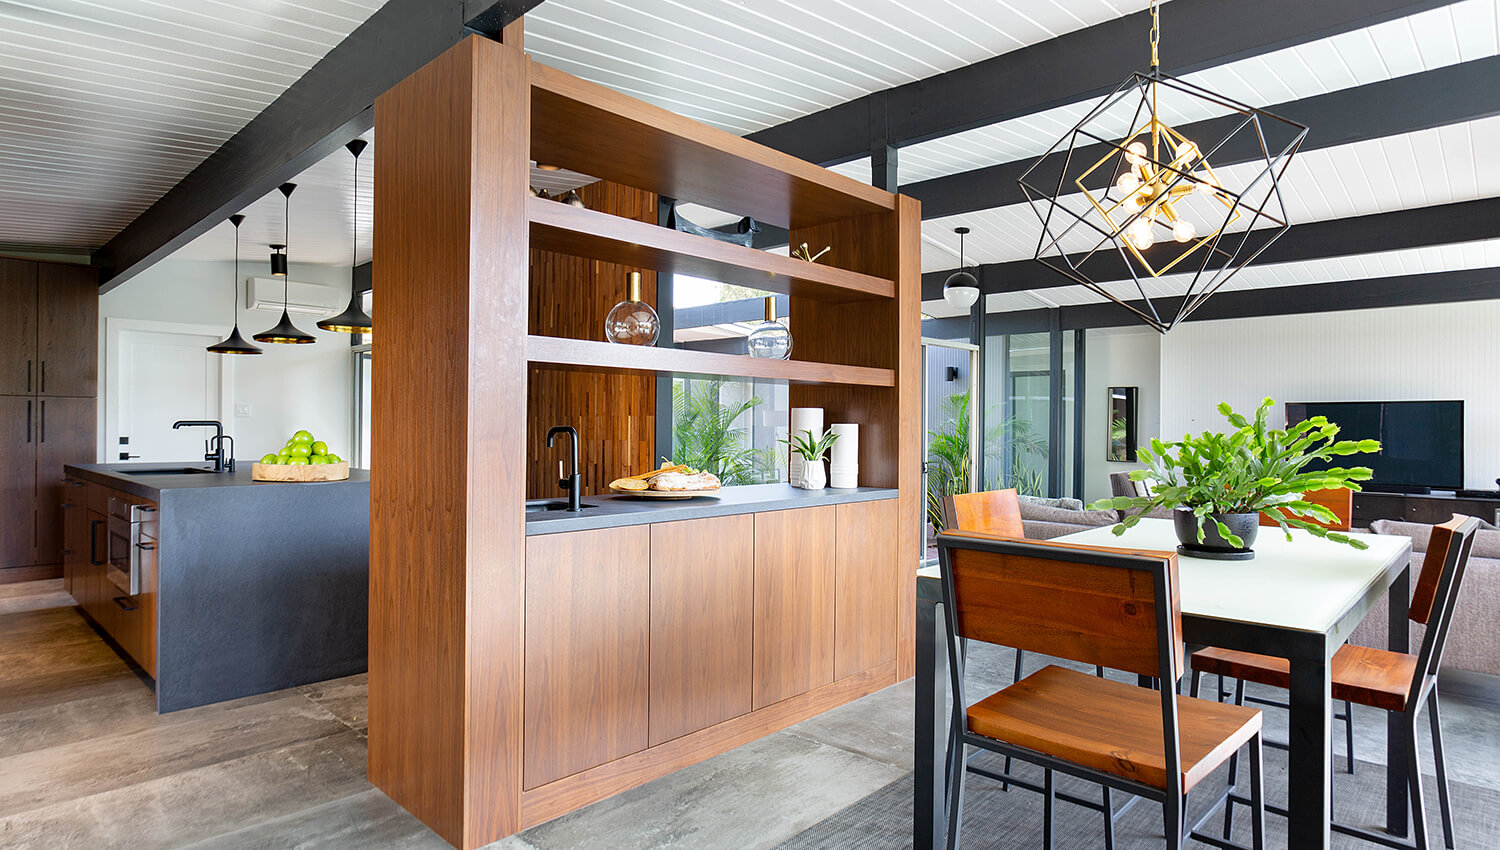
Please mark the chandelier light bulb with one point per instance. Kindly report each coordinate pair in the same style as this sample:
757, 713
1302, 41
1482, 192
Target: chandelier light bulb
1128, 183
1184, 230
1206, 184
1187, 151
1135, 153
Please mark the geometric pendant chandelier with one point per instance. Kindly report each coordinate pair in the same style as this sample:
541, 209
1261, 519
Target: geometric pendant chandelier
1138, 213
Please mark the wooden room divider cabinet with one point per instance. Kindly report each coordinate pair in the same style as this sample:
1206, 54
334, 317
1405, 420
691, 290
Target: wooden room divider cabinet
516, 677
48, 383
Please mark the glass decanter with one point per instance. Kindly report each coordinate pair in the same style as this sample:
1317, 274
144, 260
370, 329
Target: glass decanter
770, 340
632, 322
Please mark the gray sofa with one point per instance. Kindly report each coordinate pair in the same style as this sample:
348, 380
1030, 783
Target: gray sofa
1473, 641
1045, 519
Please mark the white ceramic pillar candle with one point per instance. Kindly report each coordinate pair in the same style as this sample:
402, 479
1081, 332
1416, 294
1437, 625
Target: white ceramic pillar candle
843, 458
805, 420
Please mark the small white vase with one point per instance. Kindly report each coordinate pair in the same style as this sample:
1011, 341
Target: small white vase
814, 475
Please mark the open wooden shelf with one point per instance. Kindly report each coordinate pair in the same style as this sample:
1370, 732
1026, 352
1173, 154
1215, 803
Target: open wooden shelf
588, 128
616, 239
587, 354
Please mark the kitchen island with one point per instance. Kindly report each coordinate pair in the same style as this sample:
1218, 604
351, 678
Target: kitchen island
217, 586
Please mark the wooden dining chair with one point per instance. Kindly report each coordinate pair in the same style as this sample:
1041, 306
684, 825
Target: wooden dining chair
992, 511
1395, 681
1340, 500
1097, 606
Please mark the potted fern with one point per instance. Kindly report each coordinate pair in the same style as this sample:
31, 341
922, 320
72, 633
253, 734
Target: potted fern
1218, 484
812, 450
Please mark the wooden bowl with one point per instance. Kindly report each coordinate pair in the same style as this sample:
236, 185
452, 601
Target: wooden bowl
312, 472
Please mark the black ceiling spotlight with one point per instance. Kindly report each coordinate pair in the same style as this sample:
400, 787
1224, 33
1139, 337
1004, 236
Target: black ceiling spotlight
354, 319
285, 332
278, 260
234, 343
961, 289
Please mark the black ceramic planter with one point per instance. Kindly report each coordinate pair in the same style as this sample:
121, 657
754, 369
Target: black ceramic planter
1214, 546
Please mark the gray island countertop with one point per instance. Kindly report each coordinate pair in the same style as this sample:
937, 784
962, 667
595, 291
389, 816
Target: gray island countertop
615, 511
120, 477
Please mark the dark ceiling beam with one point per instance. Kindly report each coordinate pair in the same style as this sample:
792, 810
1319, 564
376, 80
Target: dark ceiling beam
1368, 294
1080, 65
1444, 224
1437, 98
331, 104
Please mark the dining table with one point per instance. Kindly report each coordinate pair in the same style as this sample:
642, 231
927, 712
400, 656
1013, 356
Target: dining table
1298, 598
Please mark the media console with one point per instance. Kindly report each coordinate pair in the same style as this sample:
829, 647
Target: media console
1431, 508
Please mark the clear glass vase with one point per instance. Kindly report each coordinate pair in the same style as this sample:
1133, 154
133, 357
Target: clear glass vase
770, 340
632, 322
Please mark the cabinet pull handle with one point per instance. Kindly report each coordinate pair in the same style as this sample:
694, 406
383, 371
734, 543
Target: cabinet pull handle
44, 415
125, 603
44, 376
94, 541
28, 376
147, 546
28, 420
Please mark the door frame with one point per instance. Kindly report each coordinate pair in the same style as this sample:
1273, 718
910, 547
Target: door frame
976, 438
109, 392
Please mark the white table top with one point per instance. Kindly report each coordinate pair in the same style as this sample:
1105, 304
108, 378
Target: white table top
1305, 584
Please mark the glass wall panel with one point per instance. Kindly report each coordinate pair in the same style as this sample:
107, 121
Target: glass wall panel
731, 427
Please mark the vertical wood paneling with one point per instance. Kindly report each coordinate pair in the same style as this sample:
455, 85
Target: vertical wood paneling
615, 414
447, 542
1437, 351
18, 321
67, 330
587, 613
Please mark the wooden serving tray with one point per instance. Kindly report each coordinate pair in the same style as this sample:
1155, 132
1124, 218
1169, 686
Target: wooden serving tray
319, 472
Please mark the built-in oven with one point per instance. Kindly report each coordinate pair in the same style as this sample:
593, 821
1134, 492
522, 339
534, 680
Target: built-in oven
125, 552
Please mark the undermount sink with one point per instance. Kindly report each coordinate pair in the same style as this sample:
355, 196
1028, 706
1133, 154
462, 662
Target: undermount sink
546, 507
174, 470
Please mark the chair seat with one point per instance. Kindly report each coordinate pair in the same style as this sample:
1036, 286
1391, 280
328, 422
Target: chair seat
1111, 726
1375, 677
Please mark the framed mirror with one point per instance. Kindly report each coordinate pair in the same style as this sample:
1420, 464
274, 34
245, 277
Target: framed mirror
1122, 425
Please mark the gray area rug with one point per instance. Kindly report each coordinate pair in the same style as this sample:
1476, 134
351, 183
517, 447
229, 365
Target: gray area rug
995, 818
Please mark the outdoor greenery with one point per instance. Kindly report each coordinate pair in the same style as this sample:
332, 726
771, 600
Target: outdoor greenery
704, 435
1251, 469
950, 455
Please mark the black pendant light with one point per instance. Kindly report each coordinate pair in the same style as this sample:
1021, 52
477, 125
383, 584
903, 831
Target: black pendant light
285, 332
354, 319
234, 343
961, 289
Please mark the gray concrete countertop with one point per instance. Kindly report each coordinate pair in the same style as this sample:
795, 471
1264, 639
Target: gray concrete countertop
616, 511
117, 475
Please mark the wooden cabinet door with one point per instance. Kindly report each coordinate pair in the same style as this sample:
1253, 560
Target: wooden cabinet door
67, 330
18, 505
794, 610
702, 610
18, 321
587, 632
866, 586
93, 580
65, 434
75, 523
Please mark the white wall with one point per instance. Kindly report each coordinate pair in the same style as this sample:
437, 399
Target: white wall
1117, 357
288, 387
1439, 351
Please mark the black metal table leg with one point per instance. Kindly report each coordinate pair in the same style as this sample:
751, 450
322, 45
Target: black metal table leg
1309, 763
1399, 640
931, 740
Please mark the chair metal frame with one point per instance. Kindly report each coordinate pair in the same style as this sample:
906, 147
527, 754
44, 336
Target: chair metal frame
1422, 691
1173, 798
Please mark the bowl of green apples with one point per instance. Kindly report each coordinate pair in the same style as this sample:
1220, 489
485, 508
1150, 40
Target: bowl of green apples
303, 458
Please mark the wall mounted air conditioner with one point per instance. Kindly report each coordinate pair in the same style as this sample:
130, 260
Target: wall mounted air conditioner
309, 299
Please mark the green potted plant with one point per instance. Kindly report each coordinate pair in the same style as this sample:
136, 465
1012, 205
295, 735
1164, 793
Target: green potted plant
812, 451
1218, 484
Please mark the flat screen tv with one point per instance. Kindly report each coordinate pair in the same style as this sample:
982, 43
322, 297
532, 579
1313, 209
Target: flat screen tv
1422, 442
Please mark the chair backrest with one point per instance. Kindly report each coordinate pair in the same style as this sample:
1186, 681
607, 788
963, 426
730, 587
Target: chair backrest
1436, 595
1340, 500
1085, 603
1121, 485
992, 511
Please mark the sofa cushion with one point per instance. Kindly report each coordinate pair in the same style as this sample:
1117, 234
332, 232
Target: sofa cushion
1047, 513
1064, 502
1486, 542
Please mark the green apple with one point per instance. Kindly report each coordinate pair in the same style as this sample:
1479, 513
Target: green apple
271, 459
301, 450
303, 437
296, 461
286, 451
335, 459
319, 447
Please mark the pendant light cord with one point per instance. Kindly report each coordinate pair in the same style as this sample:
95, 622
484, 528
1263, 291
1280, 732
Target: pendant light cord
236, 275
354, 222
286, 236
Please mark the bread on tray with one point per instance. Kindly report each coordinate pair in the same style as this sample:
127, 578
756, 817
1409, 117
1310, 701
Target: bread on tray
681, 481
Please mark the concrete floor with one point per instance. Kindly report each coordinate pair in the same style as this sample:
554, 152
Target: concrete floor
85, 761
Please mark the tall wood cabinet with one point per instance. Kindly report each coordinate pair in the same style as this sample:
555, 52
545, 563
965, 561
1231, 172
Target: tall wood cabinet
49, 324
